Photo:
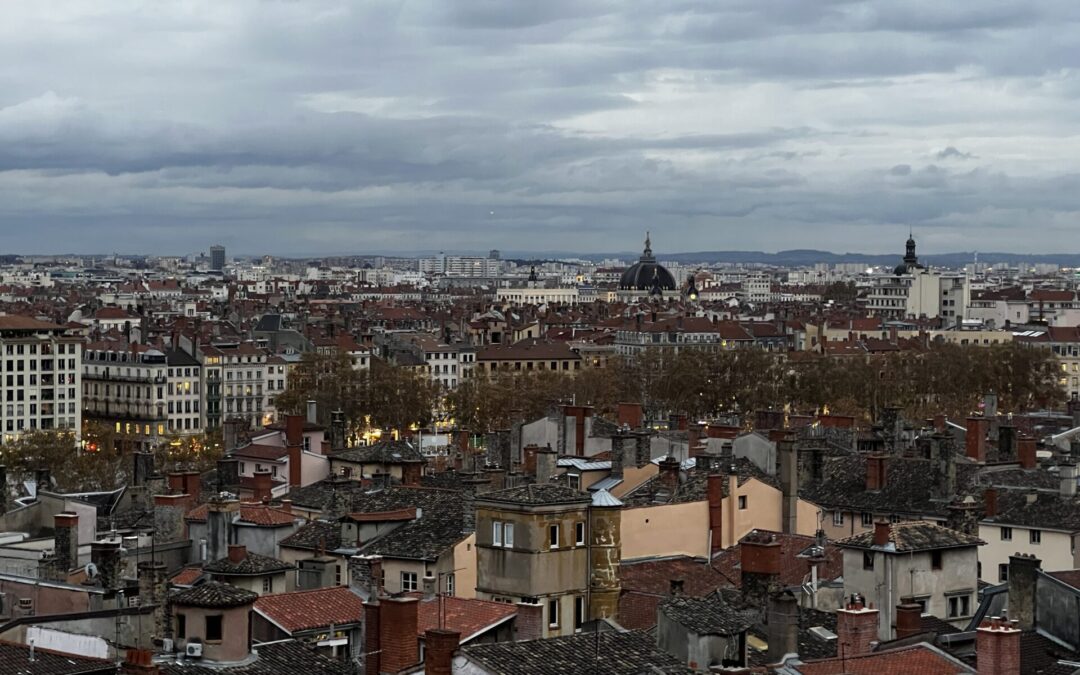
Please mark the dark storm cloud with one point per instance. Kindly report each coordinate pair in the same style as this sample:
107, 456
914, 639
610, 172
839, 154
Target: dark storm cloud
326, 125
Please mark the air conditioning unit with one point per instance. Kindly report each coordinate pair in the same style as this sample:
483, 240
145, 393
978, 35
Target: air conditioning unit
194, 650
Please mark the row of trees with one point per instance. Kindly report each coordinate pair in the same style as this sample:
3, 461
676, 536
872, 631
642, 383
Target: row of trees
943, 378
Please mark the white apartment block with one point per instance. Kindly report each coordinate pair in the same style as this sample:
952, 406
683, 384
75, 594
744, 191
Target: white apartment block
461, 266
41, 377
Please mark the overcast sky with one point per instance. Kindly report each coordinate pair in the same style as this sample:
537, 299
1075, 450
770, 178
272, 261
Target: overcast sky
324, 126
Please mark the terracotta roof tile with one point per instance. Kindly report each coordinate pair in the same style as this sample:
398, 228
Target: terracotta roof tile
308, 610
462, 615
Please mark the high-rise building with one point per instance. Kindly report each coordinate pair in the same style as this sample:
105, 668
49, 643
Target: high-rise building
217, 258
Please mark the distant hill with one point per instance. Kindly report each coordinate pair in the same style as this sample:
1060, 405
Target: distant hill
801, 257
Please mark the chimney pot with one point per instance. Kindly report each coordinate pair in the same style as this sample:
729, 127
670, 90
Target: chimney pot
237, 553
882, 532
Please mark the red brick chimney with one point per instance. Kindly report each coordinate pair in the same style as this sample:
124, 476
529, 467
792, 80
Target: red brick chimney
262, 485
939, 422
875, 472
193, 485
760, 554
372, 633
397, 634
1025, 451
908, 620
856, 629
176, 482
529, 623
410, 473
237, 553
882, 531
630, 415
997, 647
439, 648
286, 505
715, 494
990, 497
528, 459
669, 473
294, 442
975, 438
139, 662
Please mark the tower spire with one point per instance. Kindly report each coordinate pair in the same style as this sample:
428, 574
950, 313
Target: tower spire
648, 245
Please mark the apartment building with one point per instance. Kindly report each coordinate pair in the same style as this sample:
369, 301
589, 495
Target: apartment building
124, 387
245, 370
41, 376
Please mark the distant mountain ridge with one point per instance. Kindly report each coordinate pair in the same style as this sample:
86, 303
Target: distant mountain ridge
805, 257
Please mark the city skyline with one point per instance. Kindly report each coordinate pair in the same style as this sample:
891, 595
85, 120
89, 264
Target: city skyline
332, 126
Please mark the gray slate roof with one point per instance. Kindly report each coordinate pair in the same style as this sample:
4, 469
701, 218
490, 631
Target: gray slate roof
252, 564
605, 653
537, 494
213, 594
915, 536
708, 616
279, 658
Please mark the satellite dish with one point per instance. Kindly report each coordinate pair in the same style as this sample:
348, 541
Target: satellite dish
91, 571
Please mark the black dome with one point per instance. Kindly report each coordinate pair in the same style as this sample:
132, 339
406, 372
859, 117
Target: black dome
647, 274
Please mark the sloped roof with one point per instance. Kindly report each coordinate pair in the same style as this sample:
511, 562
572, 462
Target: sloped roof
709, 615
309, 610
914, 536
213, 594
604, 653
463, 615
537, 494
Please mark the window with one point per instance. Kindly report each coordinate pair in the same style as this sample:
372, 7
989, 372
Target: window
1006, 534
935, 560
553, 613
959, 605
1036, 536
181, 625
450, 584
579, 534
508, 535
213, 628
268, 585
867, 560
553, 536
1003, 572
867, 519
496, 533
742, 502
408, 582
573, 481
579, 613
838, 518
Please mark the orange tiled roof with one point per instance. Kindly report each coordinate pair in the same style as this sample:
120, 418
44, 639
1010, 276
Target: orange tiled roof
462, 615
307, 610
265, 515
916, 660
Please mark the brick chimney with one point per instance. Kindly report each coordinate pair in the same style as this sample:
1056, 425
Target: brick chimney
630, 415
975, 438
262, 486
669, 473
65, 542
139, 662
789, 484
997, 647
761, 561
528, 459
1025, 452
439, 648
294, 441
908, 619
990, 500
783, 628
397, 634
372, 637
940, 422
410, 473
175, 481
856, 629
193, 485
237, 553
875, 472
715, 493
529, 623
642, 448
882, 531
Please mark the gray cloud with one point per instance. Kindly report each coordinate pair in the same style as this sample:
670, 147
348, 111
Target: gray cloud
329, 126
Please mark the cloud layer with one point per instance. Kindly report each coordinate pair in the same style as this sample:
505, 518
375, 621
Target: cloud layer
326, 126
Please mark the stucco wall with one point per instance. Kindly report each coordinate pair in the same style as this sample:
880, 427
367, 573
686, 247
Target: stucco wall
667, 529
1055, 549
464, 558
